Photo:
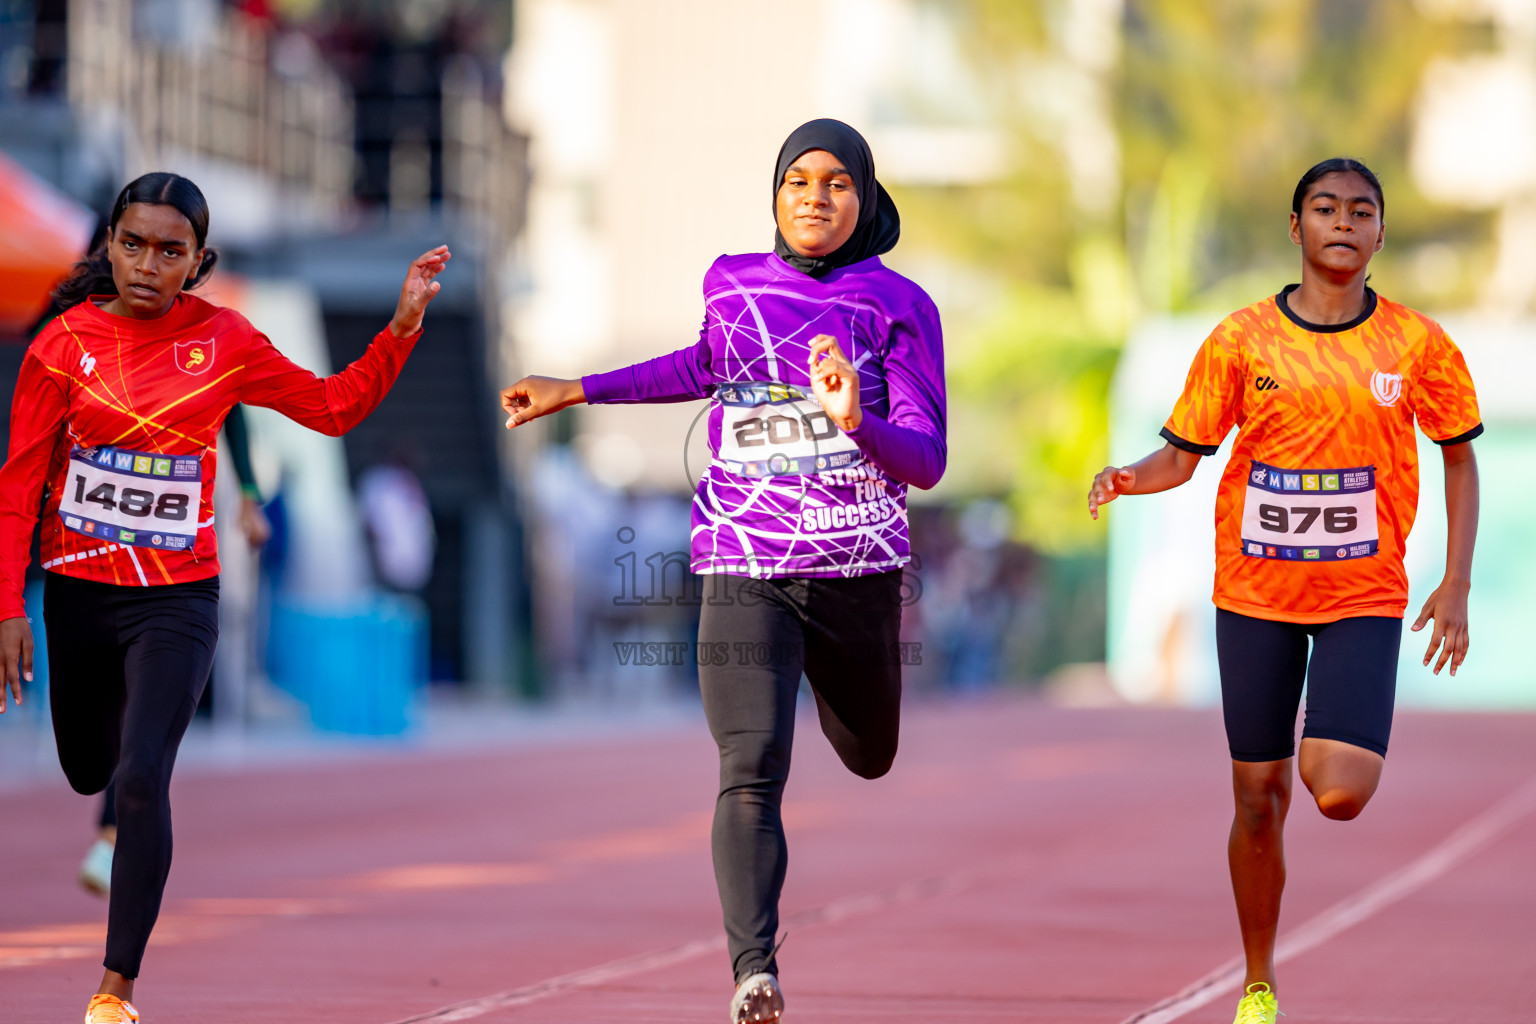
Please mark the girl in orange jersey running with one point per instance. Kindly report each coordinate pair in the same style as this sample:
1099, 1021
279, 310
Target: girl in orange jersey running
117, 408
1324, 383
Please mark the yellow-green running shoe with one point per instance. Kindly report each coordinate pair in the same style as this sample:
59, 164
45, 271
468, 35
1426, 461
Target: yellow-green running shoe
1258, 1006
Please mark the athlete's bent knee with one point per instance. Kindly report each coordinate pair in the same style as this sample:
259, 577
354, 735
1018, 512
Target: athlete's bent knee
872, 767
869, 760
88, 781
1341, 804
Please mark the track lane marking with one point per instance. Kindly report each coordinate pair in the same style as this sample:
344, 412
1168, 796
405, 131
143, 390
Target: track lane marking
628, 967
1433, 863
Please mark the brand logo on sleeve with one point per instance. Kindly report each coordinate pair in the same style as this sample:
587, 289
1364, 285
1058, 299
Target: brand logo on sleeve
1265, 384
87, 364
1386, 388
194, 356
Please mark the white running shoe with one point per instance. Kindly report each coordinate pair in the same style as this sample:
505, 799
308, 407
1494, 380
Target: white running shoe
96, 869
759, 998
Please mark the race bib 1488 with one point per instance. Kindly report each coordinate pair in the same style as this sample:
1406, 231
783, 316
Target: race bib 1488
138, 498
1310, 515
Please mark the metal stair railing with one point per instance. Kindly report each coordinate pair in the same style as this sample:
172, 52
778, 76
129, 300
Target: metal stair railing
221, 101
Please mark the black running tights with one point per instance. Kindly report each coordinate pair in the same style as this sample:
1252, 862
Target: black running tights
127, 666
756, 637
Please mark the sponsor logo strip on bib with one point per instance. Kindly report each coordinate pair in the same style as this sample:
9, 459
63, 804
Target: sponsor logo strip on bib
142, 499
1310, 515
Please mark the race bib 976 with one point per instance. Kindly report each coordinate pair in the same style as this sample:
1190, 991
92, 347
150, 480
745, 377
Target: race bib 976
138, 498
1310, 515
771, 429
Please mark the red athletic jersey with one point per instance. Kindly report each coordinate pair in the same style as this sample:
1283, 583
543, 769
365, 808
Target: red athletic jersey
118, 419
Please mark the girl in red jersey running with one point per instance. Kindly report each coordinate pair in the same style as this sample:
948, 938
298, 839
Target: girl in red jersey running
117, 408
1324, 382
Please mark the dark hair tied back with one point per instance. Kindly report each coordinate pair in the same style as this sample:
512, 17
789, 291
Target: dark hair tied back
1336, 165
93, 275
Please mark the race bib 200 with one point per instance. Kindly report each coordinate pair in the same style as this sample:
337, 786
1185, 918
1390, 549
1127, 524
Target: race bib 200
1310, 515
771, 429
141, 499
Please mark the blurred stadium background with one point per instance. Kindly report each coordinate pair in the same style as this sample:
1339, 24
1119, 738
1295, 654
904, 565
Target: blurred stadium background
1087, 186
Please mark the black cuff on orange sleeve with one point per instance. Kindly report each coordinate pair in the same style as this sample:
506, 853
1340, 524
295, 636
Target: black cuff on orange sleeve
1189, 446
1476, 431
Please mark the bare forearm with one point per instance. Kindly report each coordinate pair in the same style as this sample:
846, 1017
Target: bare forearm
1461, 508
1164, 469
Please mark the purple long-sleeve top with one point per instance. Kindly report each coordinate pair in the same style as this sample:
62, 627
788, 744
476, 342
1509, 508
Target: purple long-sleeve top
787, 494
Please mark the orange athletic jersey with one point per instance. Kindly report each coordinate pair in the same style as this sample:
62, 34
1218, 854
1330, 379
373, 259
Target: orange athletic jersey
113, 432
1318, 498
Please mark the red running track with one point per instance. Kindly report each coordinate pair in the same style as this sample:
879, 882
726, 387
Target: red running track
1021, 863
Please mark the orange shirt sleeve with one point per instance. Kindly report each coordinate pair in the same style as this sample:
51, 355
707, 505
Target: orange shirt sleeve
1212, 396
332, 405
1443, 399
38, 412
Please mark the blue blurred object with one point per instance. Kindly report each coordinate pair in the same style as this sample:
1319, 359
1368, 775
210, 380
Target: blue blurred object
359, 668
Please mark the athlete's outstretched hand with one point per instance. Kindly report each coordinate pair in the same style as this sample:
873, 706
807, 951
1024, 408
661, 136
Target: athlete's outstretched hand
533, 397
15, 650
1109, 485
254, 522
1448, 607
418, 290
835, 382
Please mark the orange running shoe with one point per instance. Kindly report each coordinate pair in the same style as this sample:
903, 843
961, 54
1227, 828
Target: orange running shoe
110, 1010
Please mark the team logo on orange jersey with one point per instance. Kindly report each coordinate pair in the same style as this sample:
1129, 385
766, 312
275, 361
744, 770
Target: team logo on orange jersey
1386, 388
194, 356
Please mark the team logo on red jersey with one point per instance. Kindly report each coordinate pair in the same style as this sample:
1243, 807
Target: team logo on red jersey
194, 356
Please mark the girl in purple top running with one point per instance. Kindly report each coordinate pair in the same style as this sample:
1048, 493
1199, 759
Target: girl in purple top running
826, 374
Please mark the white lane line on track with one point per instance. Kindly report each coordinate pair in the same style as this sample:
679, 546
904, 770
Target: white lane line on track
614, 970
1440, 858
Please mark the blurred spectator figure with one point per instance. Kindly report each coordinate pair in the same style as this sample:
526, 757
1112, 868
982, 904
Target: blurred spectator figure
274, 553
977, 588
394, 55
184, 25
979, 606
50, 47
398, 520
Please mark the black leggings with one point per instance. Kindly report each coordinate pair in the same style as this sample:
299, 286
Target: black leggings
756, 637
127, 666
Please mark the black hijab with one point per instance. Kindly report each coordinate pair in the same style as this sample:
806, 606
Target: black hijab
879, 224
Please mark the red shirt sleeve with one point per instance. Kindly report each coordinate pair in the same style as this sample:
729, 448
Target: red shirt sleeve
332, 405
38, 411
